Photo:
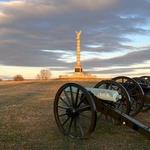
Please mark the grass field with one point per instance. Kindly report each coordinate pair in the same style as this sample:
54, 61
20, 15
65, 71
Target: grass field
27, 122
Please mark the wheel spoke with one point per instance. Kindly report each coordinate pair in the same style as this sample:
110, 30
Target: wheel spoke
80, 127
64, 101
65, 121
132, 89
70, 125
75, 125
85, 108
61, 115
81, 101
122, 80
72, 98
77, 96
67, 97
62, 107
83, 115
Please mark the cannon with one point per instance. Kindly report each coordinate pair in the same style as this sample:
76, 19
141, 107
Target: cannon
76, 107
139, 91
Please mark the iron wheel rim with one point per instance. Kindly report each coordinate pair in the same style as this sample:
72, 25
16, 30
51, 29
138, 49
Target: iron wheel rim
74, 110
124, 101
135, 91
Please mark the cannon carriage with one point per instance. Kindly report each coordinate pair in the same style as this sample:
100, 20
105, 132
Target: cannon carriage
139, 91
76, 107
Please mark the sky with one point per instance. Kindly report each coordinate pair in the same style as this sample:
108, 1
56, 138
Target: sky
39, 34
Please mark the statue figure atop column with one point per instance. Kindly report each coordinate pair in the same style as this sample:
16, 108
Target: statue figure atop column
78, 34
78, 67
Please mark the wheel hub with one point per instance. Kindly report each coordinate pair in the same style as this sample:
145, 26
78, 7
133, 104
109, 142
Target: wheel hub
72, 112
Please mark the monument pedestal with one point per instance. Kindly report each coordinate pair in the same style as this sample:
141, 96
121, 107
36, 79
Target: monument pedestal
78, 76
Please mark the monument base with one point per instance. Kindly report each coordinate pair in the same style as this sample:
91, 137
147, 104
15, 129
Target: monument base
78, 76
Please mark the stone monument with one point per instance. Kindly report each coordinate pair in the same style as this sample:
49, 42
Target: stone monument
79, 73
78, 67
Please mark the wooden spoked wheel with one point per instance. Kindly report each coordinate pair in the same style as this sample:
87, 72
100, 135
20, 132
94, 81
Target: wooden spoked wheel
135, 91
74, 111
123, 104
145, 80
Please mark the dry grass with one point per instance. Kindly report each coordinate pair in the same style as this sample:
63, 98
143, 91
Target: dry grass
27, 122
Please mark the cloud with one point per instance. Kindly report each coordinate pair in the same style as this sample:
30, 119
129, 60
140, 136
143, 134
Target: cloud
133, 58
109, 30
121, 70
44, 7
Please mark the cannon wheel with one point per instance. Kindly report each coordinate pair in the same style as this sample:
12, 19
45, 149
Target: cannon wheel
145, 80
75, 111
122, 104
135, 91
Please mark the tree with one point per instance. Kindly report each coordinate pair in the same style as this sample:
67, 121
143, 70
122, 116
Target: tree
18, 78
44, 74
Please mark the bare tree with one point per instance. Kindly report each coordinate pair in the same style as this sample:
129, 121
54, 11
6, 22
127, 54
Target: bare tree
44, 74
18, 78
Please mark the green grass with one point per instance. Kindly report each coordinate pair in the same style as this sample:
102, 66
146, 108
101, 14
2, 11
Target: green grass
27, 122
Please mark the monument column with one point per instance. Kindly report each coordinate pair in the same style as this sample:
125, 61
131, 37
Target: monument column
78, 67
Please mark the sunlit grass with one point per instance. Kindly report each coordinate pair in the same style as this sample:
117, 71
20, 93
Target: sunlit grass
27, 122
